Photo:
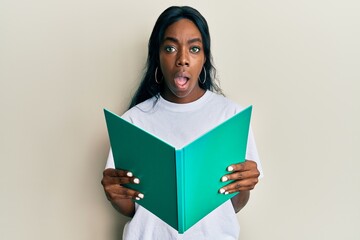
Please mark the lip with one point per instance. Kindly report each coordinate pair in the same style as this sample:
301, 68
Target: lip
181, 79
182, 74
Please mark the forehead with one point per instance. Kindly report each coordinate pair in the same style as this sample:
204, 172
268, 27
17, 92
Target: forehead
182, 29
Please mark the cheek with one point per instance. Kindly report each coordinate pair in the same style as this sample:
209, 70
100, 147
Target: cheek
200, 65
200, 60
165, 64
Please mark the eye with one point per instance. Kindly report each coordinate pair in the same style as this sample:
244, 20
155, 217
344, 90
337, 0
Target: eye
194, 49
169, 49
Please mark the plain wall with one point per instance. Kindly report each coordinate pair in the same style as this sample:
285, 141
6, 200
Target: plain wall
297, 62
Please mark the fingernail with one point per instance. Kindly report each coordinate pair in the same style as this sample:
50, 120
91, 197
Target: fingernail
230, 168
224, 178
136, 180
222, 190
140, 195
137, 198
129, 174
226, 193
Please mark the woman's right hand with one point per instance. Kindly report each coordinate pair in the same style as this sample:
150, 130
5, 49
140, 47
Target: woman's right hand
116, 193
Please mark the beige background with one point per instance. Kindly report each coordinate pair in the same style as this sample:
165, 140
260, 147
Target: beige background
62, 61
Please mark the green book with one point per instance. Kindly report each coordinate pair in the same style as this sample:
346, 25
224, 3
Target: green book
180, 185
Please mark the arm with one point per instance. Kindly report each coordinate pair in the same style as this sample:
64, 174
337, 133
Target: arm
240, 200
125, 207
246, 176
120, 197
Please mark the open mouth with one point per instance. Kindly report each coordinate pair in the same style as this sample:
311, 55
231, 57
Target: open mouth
181, 81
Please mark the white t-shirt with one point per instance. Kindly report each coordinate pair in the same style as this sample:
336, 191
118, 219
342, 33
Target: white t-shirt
178, 125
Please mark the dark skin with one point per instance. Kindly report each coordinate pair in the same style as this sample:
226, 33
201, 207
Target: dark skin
245, 176
120, 197
181, 62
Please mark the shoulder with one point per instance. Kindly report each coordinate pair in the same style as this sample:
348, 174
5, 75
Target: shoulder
140, 109
221, 102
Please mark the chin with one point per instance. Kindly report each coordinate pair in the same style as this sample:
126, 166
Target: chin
181, 94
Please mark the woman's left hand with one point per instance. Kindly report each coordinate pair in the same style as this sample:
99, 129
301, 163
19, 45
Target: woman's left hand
246, 176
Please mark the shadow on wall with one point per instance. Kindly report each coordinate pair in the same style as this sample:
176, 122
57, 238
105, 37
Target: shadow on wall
128, 66
114, 219
118, 227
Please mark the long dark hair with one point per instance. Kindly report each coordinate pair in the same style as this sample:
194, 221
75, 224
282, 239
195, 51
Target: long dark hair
148, 86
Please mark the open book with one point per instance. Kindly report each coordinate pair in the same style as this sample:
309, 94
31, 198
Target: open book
180, 185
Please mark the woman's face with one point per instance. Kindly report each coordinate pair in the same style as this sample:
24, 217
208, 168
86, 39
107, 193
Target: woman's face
181, 61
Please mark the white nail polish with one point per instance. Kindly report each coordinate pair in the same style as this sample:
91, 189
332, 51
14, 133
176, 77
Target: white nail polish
136, 180
137, 198
224, 179
140, 195
226, 193
222, 190
230, 168
129, 174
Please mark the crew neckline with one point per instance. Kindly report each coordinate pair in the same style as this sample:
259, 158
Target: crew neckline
184, 107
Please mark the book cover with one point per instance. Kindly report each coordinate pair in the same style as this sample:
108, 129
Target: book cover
180, 185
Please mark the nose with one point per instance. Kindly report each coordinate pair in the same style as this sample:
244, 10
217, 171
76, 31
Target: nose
182, 58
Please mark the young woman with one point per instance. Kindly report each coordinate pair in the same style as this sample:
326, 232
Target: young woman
178, 101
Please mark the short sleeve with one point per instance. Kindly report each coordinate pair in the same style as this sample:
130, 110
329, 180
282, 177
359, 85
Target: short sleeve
252, 153
110, 161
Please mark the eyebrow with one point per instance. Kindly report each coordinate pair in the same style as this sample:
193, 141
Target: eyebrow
172, 39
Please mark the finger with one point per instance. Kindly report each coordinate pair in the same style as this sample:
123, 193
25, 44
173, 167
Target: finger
244, 166
132, 194
117, 176
113, 197
241, 171
119, 180
115, 192
242, 185
111, 172
241, 175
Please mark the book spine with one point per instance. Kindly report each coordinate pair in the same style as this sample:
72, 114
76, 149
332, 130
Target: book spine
180, 189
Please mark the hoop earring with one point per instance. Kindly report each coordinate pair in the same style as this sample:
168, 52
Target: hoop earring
203, 82
156, 80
